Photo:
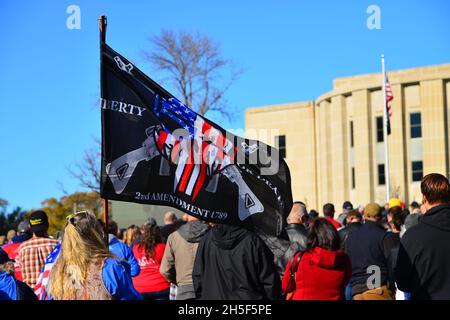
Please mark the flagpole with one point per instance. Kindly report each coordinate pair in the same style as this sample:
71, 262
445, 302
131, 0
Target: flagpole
105, 204
385, 133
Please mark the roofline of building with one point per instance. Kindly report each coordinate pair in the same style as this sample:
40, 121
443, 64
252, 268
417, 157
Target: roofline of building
279, 107
373, 81
370, 81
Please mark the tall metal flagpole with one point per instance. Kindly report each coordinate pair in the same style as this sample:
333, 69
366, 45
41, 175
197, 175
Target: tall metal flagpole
385, 133
105, 204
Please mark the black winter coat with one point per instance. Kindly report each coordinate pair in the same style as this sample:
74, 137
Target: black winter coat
297, 233
344, 232
369, 246
233, 263
423, 262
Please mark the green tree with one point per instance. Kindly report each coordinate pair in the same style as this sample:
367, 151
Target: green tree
9, 220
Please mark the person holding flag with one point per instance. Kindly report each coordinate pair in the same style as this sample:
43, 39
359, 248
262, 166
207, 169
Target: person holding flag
156, 150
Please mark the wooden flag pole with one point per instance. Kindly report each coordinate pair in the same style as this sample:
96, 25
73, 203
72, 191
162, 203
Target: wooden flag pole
105, 204
105, 207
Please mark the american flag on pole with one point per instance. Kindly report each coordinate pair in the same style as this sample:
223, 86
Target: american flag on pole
389, 98
41, 285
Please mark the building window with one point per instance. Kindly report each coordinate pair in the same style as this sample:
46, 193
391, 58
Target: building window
351, 135
417, 170
353, 178
415, 120
381, 175
380, 129
280, 143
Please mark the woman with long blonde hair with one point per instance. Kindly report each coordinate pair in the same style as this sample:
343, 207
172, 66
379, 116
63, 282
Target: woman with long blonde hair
132, 233
84, 269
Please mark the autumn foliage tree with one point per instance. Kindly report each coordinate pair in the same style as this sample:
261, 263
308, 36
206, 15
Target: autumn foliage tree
58, 209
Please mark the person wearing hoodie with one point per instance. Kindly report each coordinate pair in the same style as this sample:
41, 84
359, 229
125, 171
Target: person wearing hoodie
423, 261
179, 255
323, 270
121, 250
12, 249
233, 263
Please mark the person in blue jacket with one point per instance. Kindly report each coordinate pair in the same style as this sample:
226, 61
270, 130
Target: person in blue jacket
10, 287
121, 250
85, 269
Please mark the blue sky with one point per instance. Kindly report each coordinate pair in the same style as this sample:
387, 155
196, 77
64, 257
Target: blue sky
291, 51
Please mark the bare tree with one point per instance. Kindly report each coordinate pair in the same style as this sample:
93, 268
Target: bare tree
194, 65
87, 172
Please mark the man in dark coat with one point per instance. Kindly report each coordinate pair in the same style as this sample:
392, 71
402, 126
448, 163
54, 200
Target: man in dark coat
296, 220
370, 249
171, 224
423, 262
233, 263
353, 221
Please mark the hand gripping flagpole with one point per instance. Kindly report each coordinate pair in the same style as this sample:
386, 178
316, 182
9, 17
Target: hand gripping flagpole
385, 132
105, 206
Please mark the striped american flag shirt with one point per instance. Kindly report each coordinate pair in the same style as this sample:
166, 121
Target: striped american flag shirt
41, 285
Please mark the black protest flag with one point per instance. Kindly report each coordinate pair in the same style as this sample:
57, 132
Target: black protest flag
155, 150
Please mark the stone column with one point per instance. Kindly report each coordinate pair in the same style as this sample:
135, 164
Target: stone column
433, 127
363, 149
339, 150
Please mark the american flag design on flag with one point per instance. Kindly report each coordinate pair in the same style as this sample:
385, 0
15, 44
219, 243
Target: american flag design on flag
156, 150
389, 98
199, 154
41, 286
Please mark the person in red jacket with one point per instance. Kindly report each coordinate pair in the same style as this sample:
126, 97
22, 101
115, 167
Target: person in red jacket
323, 271
149, 252
12, 249
328, 212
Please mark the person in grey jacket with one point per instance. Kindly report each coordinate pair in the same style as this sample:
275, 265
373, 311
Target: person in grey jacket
179, 256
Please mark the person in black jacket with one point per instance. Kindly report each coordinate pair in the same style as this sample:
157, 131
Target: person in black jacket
171, 224
296, 230
233, 263
353, 221
423, 261
369, 249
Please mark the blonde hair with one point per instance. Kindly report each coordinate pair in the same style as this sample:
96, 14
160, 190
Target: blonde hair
11, 234
131, 234
7, 267
82, 244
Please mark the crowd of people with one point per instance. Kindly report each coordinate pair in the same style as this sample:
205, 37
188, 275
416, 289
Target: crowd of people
365, 253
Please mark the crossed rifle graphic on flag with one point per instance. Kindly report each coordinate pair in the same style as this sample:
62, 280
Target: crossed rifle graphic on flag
199, 152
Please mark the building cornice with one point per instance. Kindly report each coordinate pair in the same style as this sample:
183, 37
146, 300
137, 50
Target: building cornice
373, 81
